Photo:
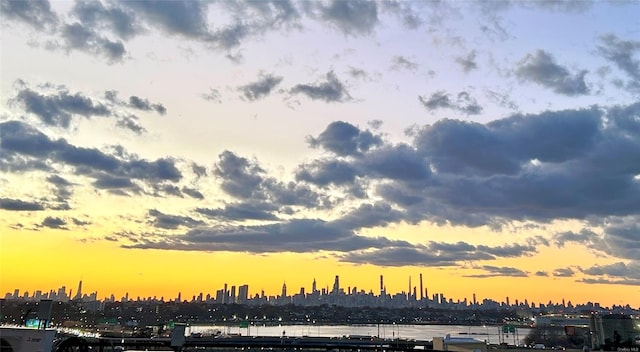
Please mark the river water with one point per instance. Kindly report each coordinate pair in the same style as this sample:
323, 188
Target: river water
490, 334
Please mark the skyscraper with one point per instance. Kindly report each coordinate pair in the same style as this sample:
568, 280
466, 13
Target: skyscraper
78, 295
421, 289
336, 285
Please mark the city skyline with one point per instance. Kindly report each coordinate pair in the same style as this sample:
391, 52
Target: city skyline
350, 296
156, 147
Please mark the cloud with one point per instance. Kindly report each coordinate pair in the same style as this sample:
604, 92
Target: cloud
619, 269
20, 140
439, 254
58, 108
130, 123
468, 63
171, 222
183, 17
192, 192
351, 17
63, 190
36, 13
261, 88
297, 235
622, 54
246, 180
402, 63
77, 36
442, 100
563, 272
345, 139
94, 14
146, 105
619, 238
542, 69
331, 90
241, 211
54, 223
536, 167
495, 271
326, 172
19, 205
213, 95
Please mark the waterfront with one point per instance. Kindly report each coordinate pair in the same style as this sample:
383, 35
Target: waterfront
490, 334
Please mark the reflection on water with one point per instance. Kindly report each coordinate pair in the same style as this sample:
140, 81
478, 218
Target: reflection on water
491, 334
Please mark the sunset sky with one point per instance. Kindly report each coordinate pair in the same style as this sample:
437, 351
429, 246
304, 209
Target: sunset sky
157, 147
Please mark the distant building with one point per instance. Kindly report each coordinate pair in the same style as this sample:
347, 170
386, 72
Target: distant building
458, 344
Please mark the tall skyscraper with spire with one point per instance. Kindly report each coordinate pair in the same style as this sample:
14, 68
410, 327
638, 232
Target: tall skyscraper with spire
336, 285
78, 295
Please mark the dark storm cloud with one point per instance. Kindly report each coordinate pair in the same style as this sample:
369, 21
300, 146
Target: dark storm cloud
468, 63
463, 102
109, 171
146, 105
542, 69
36, 13
57, 109
261, 88
331, 90
244, 179
171, 222
19, 205
495, 271
351, 17
623, 54
345, 139
54, 223
241, 211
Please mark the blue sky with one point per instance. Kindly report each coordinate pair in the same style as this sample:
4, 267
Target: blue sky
474, 137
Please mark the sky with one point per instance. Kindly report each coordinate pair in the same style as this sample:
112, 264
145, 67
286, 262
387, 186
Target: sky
157, 147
